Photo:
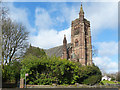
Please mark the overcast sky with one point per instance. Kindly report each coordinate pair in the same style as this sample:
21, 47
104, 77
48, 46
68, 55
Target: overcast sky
47, 23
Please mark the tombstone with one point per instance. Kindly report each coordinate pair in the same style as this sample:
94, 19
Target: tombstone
21, 83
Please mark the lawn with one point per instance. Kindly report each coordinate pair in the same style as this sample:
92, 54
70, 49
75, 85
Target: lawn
109, 82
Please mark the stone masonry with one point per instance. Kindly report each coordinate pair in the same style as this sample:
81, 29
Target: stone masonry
81, 48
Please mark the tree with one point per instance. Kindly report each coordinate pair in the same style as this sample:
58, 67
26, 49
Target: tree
11, 72
35, 51
0, 32
94, 51
112, 76
118, 76
14, 38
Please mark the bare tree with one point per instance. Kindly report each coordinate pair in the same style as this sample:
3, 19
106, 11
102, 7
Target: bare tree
14, 38
94, 51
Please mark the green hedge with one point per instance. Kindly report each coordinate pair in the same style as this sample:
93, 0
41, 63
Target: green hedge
49, 70
91, 80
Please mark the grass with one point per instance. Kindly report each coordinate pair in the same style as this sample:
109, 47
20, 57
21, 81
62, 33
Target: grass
118, 82
109, 82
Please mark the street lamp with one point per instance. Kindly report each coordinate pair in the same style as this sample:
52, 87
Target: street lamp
25, 78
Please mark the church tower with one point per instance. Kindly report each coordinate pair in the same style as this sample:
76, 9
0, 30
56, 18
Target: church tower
65, 55
81, 14
81, 39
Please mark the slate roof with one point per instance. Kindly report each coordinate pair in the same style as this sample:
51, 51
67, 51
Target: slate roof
57, 51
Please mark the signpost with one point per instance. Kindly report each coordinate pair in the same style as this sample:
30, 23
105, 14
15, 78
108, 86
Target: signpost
25, 79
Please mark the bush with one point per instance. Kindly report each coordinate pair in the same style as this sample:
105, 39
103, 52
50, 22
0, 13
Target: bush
11, 72
112, 78
49, 70
45, 70
86, 73
91, 80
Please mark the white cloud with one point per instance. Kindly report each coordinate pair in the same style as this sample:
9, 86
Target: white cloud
43, 19
69, 13
105, 18
47, 37
20, 15
50, 38
107, 48
106, 64
107, 58
102, 15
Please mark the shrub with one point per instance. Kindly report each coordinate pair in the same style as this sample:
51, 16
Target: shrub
91, 80
11, 72
49, 70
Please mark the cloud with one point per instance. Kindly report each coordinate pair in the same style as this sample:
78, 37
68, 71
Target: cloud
106, 64
20, 15
46, 36
43, 19
50, 38
107, 58
69, 13
107, 48
102, 15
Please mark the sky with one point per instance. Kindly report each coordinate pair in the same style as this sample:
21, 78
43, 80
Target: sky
47, 23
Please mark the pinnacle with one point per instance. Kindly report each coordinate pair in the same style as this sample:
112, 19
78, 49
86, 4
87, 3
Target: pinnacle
64, 35
81, 9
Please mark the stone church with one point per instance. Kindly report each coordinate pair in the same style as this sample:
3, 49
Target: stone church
80, 48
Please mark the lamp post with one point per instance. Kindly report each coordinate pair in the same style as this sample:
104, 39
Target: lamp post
25, 79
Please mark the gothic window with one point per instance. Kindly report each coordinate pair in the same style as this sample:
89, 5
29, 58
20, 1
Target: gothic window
76, 43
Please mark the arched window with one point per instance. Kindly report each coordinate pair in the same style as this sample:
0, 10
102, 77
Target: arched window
76, 43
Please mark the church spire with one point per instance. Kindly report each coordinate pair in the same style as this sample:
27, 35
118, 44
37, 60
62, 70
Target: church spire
81, 13
81, 9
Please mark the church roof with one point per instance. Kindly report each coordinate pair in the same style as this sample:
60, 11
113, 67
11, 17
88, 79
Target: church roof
57, 51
